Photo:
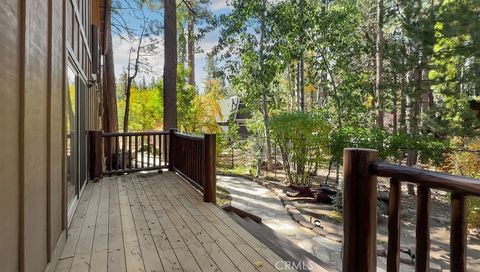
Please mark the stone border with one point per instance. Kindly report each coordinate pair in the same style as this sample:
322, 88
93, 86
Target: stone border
292, 210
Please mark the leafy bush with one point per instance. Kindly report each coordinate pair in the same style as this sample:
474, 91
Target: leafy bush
463, 160
356, 137
389, 145
303, 141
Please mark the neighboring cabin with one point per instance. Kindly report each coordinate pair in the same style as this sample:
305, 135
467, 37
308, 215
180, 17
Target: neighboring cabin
233, 109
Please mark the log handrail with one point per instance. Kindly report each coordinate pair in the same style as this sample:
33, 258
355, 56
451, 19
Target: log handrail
361, 169
434, 180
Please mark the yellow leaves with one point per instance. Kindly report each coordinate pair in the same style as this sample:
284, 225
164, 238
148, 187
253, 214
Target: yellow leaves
205, 111
310, 88
369, 102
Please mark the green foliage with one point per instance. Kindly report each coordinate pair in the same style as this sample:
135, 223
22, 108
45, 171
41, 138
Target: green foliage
465, 160
356, 137
303, 141
389, 146
145, 107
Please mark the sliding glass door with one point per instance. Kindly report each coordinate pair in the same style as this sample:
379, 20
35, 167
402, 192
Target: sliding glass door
76, 138
72, 146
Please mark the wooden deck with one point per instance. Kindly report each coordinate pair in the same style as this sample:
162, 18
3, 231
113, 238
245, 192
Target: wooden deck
157, 222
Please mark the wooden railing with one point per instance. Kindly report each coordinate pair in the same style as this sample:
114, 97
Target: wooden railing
193, 157
135, 151
361, 169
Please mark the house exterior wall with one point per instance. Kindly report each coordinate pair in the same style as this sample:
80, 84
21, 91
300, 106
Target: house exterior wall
38, 38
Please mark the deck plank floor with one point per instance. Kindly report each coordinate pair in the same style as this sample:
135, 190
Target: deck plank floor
157, 222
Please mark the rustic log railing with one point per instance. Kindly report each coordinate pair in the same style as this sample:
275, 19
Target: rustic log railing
193, 157
361, 169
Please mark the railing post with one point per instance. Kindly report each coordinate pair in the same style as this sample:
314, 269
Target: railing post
96, 154
210, 185
458, 234
359, 210
171, 153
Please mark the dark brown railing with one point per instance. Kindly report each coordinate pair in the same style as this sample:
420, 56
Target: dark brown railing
135, 151
193, 157
361, 169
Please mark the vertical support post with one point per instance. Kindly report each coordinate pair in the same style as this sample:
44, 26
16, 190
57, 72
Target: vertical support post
422, 230
171, 152
359, 210
210, 185
458, 234
393, 252
96, 154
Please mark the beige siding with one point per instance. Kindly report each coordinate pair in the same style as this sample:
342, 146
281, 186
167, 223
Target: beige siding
32, 152
56, 136
9, 124
35, 135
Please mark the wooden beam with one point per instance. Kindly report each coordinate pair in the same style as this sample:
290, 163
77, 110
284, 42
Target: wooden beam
359, 211
210, 186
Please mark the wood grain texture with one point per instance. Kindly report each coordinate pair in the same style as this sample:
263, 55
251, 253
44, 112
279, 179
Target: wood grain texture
458, 234
394, 213
359, 210
422, 230
10, 56
157, 222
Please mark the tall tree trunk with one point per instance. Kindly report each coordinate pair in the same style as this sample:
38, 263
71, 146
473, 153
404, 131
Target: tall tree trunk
301, 77
127, 105
395, 105
291, 91
379, 67
191, 49
170, 66
110, 121
266, 118
403, 107
414, 111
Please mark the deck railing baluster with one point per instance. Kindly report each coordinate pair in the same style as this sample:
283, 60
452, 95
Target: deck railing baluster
117, 148
422, 230
148, 150
109, 151
129, 162
393, 252
142, 150
458, 234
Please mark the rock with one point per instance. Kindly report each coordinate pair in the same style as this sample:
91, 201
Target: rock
381, 251
306, 224
405, 258
434, 267
298, 217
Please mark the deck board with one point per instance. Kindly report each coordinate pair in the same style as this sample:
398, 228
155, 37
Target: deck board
157, 222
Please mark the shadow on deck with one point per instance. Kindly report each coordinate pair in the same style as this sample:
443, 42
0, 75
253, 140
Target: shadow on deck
157, 222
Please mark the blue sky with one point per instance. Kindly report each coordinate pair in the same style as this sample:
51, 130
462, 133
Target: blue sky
121, 49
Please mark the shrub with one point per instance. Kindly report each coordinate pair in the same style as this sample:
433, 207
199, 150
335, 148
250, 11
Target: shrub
303, 141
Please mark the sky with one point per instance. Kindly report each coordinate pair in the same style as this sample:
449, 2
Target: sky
121, 51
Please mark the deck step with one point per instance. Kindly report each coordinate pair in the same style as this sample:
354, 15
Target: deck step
283, 247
